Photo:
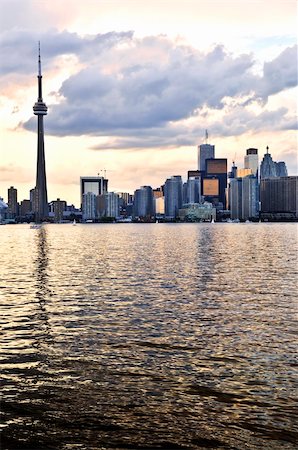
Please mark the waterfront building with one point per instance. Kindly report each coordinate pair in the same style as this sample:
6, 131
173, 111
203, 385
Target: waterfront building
57, 209
251, 160
173, 196
143, 203
25, 209
3, 210
13, 206
89, 206
112, 207
244, 198
41, 197
96, 185
192, 190
279, 198
197, 212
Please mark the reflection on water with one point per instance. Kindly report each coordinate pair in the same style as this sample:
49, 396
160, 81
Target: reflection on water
147, 337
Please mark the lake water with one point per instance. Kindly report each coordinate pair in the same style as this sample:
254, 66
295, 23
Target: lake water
149, 336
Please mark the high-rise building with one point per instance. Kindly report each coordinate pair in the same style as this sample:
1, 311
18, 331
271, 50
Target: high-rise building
250, 198
94, 185
272, 169
235, 198
12, 203
112, 208
40, 109
244, 198
89, 206
25, 209
173, 196
143, 203
205, 151
192, 192
279, 198
281, 169
251, 160
215, 182
57, 208
268, 167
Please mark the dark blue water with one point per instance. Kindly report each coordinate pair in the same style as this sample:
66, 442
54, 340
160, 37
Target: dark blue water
149, 336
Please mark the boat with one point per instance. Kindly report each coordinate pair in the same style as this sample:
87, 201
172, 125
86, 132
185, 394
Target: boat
35, 225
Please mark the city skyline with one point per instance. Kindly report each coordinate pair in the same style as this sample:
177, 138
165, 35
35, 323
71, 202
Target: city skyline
136, 103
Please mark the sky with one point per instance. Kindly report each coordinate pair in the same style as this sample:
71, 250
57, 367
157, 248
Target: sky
132, 85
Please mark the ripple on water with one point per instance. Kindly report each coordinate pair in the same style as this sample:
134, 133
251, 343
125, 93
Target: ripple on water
137, 336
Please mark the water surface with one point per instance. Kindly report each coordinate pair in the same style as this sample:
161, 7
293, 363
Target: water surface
148, 336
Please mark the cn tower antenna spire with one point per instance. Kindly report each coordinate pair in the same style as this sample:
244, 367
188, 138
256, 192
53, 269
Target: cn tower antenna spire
206, 136
39, 63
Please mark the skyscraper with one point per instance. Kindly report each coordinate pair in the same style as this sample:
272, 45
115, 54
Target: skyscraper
173, 196
12, 202
251, 160
40, 109
143, 203
205, 151
268, 167
95, 185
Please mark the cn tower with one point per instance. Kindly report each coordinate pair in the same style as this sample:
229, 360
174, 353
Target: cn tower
41, 197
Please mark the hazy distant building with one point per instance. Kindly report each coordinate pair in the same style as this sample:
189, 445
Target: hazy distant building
173, 196
12, 202
268, 167
279, 198
143, 203
251, 160
205, 151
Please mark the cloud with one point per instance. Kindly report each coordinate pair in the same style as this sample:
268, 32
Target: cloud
142, 92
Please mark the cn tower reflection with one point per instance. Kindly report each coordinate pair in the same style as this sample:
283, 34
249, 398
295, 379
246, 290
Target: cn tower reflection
42, 290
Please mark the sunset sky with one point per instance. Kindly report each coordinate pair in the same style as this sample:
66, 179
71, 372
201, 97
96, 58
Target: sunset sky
131, 86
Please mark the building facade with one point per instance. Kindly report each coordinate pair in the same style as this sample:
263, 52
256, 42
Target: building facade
173, 196
251, 160
143, 208
205, 151
279, 198
13, 206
